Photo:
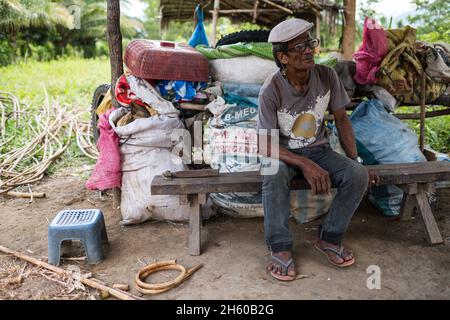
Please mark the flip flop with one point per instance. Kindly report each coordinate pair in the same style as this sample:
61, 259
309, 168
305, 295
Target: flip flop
284, 269
339, 253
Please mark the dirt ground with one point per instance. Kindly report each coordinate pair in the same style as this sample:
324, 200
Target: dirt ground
234, 254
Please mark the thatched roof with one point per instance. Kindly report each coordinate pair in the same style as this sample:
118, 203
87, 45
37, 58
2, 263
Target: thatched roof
268, 12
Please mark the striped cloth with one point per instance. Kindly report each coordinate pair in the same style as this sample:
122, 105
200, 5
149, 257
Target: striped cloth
259, 49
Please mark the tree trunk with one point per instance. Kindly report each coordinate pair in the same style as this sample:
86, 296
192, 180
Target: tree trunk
115, 44
116, 60
348, 41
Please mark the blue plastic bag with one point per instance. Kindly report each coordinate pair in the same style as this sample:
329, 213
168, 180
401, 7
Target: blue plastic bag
199, 35
383, 138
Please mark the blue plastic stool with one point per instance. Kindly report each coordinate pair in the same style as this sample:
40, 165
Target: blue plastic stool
88, 226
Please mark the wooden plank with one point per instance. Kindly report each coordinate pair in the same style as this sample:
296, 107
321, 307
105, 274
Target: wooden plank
407, 207
398, 174
430, 225
191, 173
194, 237
406, 173
222, 183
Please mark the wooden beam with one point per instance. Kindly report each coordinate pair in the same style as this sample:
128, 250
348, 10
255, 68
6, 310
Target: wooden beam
273, 4
407, 116
244, 15
348, 38
314, 5
214, 22
416, 116
230, 11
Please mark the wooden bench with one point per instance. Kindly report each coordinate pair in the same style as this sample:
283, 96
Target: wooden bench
194, 186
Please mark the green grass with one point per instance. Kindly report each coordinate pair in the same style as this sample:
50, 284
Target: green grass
437, 129
71, 82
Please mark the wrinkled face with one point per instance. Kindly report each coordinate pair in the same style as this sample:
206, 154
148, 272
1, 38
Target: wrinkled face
299, 56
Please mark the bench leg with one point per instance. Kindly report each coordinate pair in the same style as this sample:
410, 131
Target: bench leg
407, 207
194, 240
431, 227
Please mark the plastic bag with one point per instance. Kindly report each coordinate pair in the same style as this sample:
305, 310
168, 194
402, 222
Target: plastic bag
383, 138
107, 172
199, 35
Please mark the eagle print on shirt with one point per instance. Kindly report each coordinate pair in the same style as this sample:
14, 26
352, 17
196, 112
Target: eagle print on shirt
302, 128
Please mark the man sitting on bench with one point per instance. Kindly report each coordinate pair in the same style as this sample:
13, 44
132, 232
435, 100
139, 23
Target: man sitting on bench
294, 100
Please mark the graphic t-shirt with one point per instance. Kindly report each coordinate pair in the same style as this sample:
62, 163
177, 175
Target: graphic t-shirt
299, 116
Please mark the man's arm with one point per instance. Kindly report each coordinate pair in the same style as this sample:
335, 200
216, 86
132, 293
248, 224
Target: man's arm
346, 135
348, 142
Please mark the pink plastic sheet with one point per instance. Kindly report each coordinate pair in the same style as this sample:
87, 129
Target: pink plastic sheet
107, 172
372, 51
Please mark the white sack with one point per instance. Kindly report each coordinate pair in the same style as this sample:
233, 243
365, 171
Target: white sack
248, 69
145, 152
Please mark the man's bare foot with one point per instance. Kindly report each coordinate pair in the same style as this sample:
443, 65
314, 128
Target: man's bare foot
335, 253
281, 266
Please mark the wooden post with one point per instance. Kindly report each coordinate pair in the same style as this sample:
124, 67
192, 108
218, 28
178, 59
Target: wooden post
348, 39
195, 225
422, 111
214, 22
115, 56
431, 228
318, 25
255, 11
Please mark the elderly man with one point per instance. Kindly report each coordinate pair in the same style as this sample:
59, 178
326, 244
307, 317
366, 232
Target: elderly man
294, 100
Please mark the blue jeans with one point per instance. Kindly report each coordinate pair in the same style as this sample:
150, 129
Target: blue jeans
348, 176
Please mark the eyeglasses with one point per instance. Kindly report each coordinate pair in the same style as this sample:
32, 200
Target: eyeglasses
301, 47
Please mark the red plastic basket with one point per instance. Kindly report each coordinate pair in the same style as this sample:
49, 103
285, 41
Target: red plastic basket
165, 60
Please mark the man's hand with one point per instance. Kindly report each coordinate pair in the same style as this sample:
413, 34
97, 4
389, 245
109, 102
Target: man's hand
318, 178
374, 180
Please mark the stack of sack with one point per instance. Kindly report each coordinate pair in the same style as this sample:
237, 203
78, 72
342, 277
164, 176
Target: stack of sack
136, 140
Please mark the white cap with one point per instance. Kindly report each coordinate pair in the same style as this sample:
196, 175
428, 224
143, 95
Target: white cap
289, 29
